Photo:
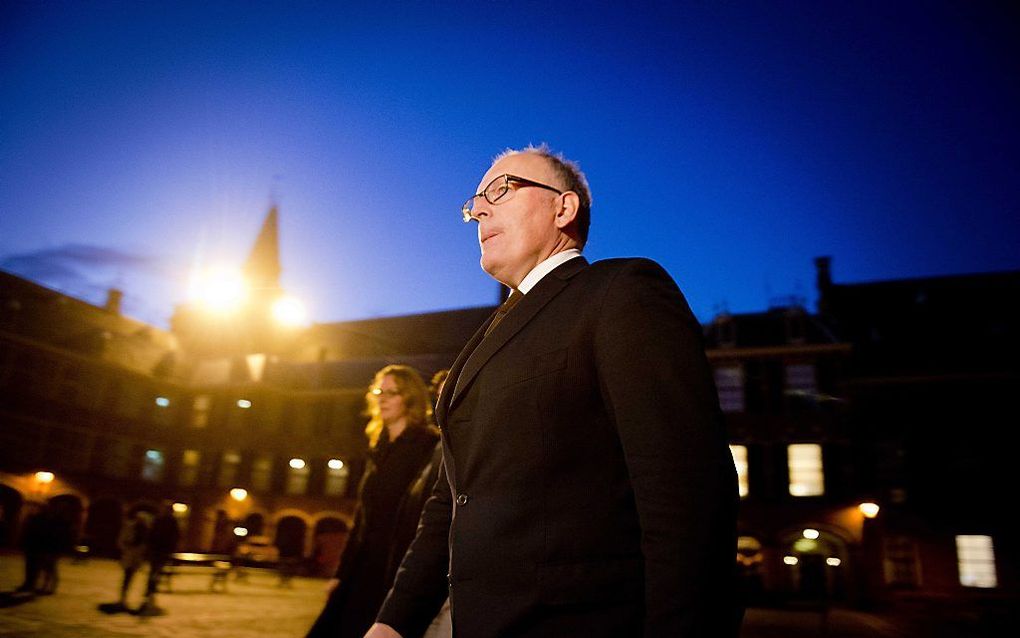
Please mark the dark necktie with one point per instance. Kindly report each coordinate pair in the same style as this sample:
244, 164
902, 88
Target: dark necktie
505, 308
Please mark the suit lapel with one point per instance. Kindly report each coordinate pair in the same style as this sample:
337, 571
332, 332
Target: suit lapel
483, 349
443, 405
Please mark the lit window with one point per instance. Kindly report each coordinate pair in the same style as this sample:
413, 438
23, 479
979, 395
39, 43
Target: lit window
336, 478
805, 464
297, 478
153, 466
228, 468
729, 383
739, 453
262, 473
189, 467
976, 559
200, 411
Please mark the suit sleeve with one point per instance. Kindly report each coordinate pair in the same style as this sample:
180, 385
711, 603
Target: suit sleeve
421, 582
658, 390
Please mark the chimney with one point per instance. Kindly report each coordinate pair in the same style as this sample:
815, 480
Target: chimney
113, 298
823, 279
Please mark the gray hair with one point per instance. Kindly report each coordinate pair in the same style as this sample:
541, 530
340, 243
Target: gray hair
572, 180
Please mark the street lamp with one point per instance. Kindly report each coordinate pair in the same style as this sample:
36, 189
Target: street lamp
869, 509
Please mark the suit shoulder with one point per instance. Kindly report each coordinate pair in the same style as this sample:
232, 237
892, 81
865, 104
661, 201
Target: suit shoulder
611, 268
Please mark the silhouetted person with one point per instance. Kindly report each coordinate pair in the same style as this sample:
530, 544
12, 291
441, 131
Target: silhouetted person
133, 542
32, 544
162, 543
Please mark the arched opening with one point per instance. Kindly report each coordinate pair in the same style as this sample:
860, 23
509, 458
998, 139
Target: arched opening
255, 523
329, 537
102, 526
10, 510
290, 537
750, 563
68, 509
816, 561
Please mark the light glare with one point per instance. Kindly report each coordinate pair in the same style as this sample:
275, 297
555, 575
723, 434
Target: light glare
289, 312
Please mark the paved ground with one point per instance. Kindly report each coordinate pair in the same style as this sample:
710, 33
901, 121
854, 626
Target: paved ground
256, 609
260, 608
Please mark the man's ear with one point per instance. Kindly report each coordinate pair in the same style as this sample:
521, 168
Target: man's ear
567, 212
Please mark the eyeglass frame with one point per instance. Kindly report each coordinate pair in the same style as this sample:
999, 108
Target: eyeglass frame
465, 210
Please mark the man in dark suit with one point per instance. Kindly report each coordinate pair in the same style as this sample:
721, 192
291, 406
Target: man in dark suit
588, 489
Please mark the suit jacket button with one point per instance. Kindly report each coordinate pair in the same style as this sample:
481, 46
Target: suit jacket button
462, 499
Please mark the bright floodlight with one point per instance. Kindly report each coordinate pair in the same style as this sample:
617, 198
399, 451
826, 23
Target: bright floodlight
297, 464
221, 290
180, 508
162, 402
335, 464
832, 561
811, 533
790, 560
44, 477
238, 493
870, 510
244, 404
289, 312
240, 531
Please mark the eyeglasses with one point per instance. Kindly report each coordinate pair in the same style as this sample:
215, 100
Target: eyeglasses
499, 190
379, 392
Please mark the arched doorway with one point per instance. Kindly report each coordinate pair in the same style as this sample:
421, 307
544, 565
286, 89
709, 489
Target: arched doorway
816, 560
290, 537
68, 509
255, 523
10, 510
750, 562
102, 526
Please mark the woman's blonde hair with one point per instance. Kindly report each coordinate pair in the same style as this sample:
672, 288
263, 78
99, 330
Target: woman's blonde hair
416, 400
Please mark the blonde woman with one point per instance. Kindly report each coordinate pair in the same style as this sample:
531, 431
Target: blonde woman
401, 442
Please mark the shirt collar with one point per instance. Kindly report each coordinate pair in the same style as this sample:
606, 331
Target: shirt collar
546, 267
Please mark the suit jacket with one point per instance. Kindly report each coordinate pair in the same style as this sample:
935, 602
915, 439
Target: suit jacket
589, 489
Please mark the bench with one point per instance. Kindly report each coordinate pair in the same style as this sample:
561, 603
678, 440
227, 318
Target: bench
218, 566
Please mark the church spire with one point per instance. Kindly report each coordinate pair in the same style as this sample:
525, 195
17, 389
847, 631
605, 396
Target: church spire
263, 266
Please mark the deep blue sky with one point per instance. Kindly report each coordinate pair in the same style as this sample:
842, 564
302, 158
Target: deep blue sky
731, 141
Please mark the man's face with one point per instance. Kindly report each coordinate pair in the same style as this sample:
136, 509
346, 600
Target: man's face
519, 231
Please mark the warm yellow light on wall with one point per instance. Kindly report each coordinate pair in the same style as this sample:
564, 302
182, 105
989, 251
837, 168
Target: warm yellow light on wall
238, 493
